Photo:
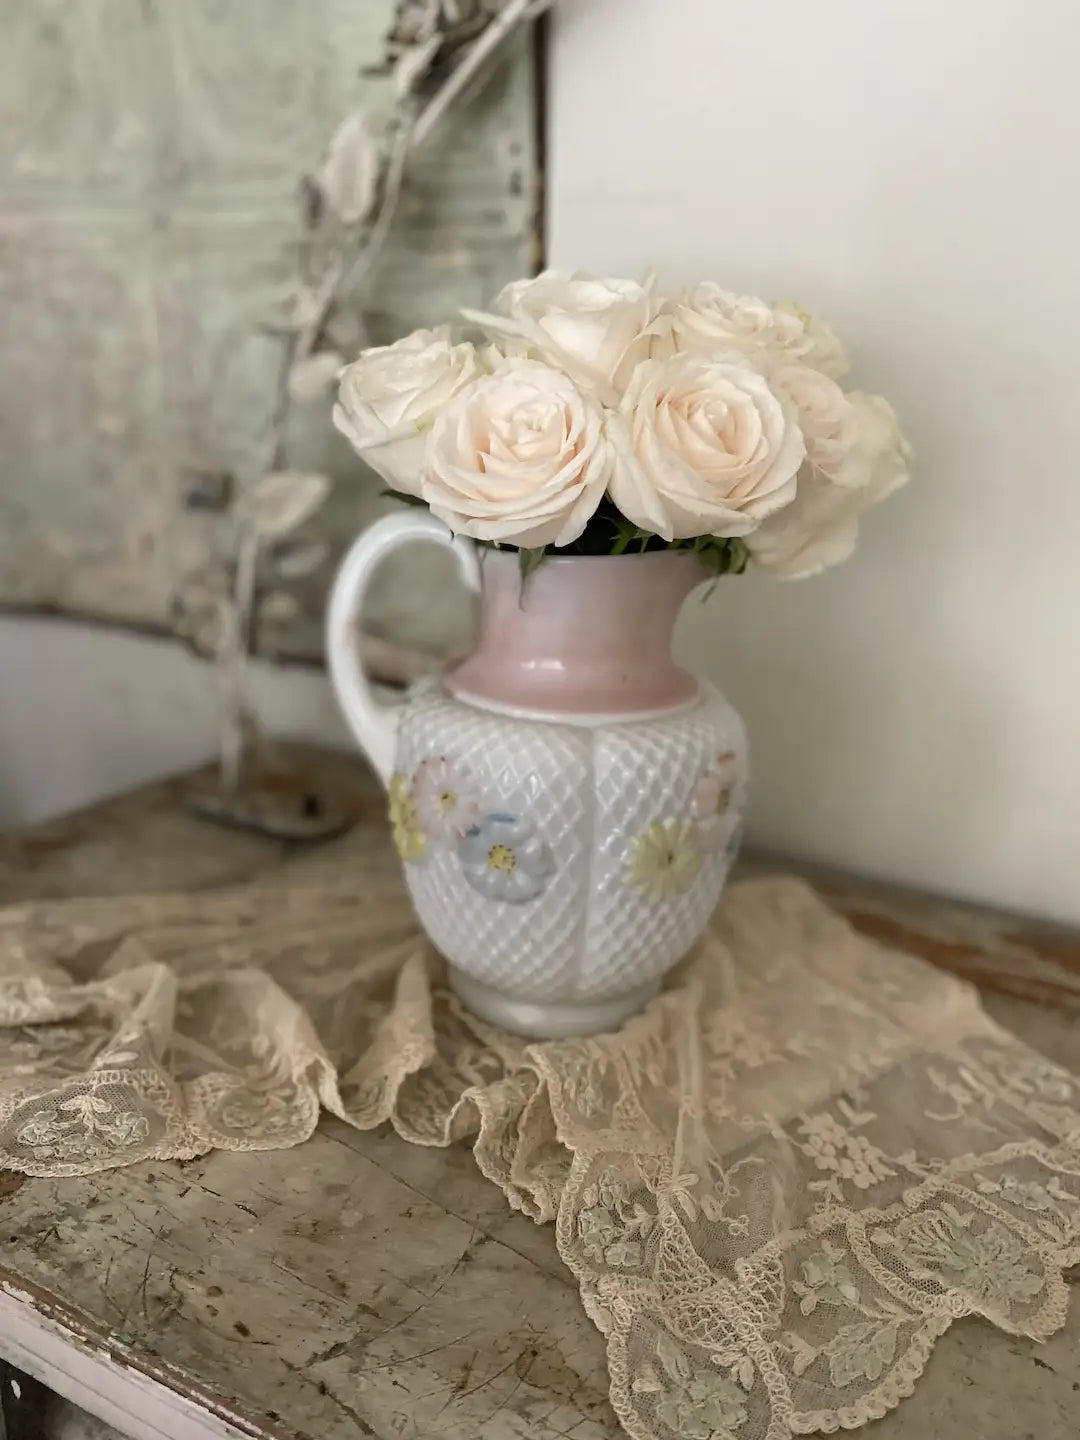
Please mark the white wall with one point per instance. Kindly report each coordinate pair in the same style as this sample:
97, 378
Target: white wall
909, 170
86, 712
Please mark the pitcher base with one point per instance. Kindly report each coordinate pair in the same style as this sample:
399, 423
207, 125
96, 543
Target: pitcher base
539, 1020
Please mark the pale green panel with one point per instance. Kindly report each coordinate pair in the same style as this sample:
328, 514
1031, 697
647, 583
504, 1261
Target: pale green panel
150, 154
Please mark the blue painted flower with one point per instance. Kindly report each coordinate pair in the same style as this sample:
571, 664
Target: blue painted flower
506, 859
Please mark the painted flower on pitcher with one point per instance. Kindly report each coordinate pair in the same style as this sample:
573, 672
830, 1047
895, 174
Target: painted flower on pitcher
411, 845
444, 798
715, 792
665, 860
506, 858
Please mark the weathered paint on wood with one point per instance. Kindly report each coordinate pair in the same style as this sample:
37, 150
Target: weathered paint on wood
361, 1286
150, 161
315, 1295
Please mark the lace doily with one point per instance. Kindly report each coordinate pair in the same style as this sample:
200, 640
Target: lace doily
776, 1187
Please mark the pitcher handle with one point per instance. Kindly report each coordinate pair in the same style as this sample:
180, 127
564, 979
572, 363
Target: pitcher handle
373, 722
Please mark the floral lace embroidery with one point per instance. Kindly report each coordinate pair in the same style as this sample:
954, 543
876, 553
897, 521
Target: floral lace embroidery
613, 1228
847, 1155
826, 1279
759, 1262
862, 1351
698, 1403
83, 1127
989, 1263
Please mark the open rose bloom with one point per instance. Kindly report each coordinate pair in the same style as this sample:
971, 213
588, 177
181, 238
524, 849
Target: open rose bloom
592, 417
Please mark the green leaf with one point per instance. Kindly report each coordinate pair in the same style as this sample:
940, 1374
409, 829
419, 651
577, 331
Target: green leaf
722, 557
529, 561
740, 556
621, 541
402, 498
609, 532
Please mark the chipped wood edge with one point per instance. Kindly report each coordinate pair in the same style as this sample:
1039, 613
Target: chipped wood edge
131, 1391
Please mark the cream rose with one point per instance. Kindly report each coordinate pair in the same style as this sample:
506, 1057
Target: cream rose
597, 331
707, 449
881, 459
820, 528
709, 318
389, 398
519, 456
827, 418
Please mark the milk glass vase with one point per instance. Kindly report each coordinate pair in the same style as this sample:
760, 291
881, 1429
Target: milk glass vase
567, 801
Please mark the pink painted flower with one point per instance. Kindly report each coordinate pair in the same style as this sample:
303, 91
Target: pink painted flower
445, 800
715, 791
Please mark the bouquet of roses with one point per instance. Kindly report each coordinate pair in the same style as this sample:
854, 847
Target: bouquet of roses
600, 416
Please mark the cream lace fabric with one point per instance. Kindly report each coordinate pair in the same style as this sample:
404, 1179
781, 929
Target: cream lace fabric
776, 1187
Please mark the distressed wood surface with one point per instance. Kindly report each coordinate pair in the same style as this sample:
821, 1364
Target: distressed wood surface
150, 162
361, 1286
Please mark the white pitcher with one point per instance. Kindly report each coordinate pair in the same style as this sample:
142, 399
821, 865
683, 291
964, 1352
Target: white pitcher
567, 801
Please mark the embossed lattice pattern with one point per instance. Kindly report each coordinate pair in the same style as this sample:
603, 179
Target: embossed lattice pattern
150, 159
776, 1187
588, 791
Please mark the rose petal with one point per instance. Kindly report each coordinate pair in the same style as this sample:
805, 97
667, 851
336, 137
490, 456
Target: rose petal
518, 456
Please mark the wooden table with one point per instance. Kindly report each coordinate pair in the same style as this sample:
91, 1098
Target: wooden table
361, 1286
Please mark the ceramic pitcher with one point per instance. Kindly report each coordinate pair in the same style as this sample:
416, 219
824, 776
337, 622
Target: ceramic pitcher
567, 801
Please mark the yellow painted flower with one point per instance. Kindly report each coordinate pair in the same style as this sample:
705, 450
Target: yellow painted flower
411, 845
666, 859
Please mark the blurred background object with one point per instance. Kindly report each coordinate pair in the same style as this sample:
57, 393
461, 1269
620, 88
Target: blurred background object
204, 213
176, 182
